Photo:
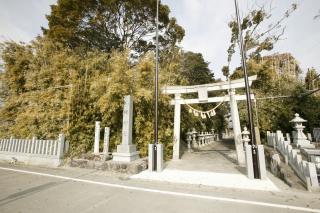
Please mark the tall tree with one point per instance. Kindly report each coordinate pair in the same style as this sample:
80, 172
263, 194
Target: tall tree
32, 103
111, 24
17, 64
257, 37
195, 69
63, 91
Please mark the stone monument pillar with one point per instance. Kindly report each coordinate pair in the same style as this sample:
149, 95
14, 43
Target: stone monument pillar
126, 151
61, 142
236, 128
106, 140
96, 138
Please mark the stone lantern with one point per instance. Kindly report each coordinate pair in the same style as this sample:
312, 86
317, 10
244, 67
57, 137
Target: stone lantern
206, 139
300, 139
194, 138
201, 140
245, 136
189, 139
212, 135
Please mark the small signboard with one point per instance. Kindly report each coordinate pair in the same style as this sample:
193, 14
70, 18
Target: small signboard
203, 94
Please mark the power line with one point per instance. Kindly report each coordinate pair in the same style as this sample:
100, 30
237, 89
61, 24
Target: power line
274, 97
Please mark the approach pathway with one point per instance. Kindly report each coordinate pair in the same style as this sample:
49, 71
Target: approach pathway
217, 157
213, 165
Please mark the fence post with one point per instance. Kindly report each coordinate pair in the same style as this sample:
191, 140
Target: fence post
268, 138
106, 139
43, 147
96, 138
33, 144
60, 146
249, 163
47, 147
19, 145
14, 146
288, 137
274, 140
262, 162
26, 149
313, 175
55, 144
66, 146
1, 143
10, 144
3, 147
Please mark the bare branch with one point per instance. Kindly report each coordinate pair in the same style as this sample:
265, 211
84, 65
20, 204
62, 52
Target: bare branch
317, 16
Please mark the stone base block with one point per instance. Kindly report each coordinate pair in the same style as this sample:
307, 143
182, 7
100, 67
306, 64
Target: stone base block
304, 144
262, 163
249, 163
125, 157
150, 157
105, 156
195, 145
126, 148
307, 146
159, 157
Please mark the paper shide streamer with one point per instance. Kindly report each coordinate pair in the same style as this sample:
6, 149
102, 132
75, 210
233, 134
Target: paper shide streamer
204, 114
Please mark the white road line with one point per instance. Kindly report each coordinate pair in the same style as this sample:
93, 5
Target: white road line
257, 203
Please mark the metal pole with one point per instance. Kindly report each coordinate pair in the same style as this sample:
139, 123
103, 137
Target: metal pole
249, 104
156, 92
256, 109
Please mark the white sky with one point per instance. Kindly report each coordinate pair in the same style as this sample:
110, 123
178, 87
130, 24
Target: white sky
205, 22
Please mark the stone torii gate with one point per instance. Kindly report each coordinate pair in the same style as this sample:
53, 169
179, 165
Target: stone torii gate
202, 91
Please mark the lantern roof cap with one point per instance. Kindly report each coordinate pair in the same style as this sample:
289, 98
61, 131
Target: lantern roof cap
297, 119
245, 131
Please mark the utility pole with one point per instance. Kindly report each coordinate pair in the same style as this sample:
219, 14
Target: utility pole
249, 103
156, 92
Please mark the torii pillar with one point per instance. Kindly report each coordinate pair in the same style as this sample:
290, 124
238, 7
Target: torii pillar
236, 128
176, 127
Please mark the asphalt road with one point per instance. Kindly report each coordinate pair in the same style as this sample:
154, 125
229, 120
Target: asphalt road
33, 189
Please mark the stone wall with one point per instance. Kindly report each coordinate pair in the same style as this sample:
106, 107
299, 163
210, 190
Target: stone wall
112, 166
